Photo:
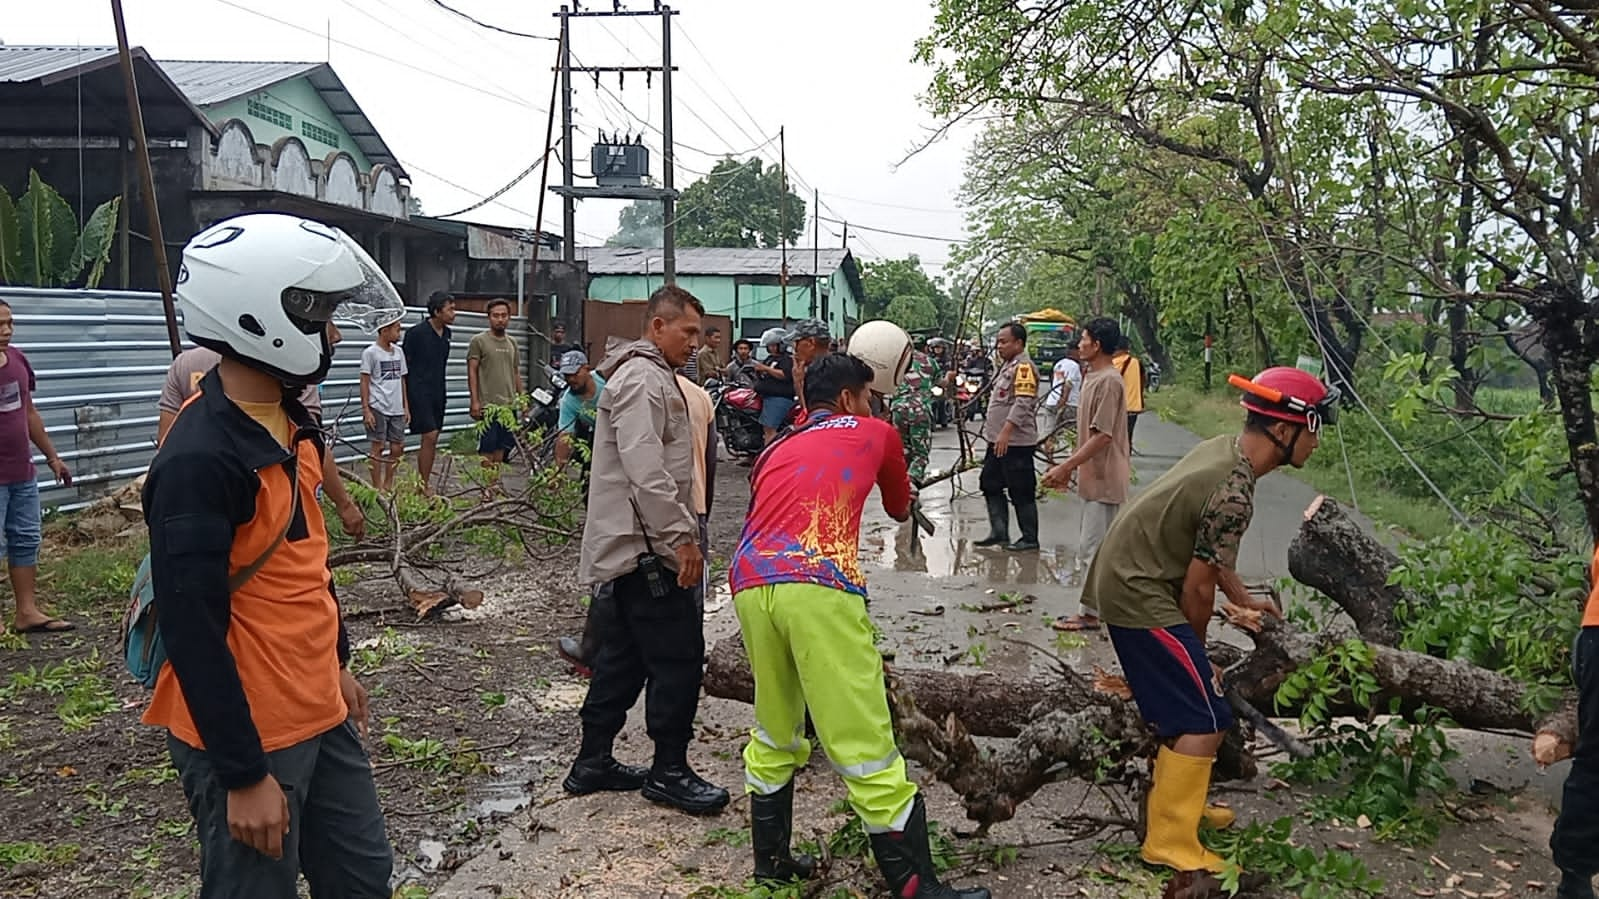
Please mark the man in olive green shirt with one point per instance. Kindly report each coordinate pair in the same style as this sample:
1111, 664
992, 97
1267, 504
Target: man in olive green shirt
1156, 577
494, 378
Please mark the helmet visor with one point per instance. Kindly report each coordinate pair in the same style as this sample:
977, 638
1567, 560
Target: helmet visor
369, 304
1326, 411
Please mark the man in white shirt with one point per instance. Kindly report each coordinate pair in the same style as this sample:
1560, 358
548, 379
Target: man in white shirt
1060, 406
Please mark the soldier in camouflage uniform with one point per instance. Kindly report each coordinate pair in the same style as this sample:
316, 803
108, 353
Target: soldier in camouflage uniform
1155, 579
911, 410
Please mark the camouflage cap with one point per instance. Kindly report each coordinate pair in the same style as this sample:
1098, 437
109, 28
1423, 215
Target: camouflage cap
808, 328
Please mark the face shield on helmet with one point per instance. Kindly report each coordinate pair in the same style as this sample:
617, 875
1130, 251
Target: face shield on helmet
369, 305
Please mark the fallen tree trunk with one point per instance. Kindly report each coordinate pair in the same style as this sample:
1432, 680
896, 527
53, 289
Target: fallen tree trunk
1335, 555
1338, 557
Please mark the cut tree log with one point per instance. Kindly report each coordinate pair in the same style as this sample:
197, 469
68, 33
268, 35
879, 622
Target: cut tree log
1336, 556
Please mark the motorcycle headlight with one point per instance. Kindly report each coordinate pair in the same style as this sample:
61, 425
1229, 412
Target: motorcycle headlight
938, 391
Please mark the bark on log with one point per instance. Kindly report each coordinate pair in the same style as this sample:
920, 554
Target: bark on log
988, 705
1059, 724
1335, 555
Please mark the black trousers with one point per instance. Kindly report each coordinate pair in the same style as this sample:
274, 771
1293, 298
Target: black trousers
1132, 425
1012, 472
649, 645
1576, 838
336, 833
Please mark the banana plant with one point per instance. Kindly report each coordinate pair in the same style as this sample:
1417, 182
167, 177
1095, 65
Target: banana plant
41, 244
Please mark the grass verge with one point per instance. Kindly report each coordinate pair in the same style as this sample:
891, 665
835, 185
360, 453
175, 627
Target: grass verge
1215, 413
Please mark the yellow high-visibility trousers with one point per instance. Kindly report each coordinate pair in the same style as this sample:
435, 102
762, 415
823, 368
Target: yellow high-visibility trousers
812, 646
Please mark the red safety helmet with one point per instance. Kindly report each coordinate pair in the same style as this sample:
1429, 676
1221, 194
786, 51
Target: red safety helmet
1290, 394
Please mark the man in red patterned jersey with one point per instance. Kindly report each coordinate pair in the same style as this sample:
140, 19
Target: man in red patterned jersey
801, 603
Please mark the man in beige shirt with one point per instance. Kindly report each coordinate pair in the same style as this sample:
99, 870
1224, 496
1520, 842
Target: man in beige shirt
1102, 462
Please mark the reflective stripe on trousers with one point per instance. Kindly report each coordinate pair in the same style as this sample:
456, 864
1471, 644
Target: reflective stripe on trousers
811, 646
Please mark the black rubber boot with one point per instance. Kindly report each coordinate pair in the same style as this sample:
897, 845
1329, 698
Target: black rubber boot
998, 521
907, 862
771, 829
1574, 886
1027, 520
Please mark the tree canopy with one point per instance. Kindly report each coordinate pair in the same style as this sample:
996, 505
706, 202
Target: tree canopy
737, 204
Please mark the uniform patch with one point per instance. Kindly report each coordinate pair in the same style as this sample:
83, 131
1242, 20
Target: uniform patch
1026, 380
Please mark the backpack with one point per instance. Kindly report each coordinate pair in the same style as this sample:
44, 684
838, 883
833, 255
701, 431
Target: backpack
143, 651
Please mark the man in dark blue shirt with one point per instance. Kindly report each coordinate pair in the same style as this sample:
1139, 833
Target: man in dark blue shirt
427, 357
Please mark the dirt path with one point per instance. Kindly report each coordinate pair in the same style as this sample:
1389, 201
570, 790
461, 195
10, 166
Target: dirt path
475, 725
618, 845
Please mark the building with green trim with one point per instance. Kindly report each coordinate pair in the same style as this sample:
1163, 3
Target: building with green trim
743, 284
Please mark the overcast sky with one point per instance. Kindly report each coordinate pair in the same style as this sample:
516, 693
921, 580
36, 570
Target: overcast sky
464, 108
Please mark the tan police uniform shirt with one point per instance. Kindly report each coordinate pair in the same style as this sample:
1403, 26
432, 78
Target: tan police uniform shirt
1014, 399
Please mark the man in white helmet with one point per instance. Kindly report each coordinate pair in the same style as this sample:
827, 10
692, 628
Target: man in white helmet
800, 597
263, 720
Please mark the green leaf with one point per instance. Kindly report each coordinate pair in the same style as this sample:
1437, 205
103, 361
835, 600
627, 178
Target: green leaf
10, 248
48, 235
93, 250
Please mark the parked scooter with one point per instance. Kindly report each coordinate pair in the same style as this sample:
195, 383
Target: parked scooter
1153, 368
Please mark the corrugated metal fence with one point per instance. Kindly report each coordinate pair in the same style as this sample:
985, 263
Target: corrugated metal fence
101, 357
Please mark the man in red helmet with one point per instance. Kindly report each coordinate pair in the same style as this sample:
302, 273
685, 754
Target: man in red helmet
1156, 577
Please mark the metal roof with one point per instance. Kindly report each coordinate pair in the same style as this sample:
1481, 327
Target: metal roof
713, 261
209, 83
202, 84
34, 63
78, 90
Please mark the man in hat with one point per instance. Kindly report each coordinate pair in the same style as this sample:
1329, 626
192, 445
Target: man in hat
579, 404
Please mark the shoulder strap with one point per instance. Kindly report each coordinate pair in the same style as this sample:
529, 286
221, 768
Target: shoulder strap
1122, 368
243, 576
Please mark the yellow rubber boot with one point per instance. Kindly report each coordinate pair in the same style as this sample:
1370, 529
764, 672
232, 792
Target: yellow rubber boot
1176, 803
1219, 817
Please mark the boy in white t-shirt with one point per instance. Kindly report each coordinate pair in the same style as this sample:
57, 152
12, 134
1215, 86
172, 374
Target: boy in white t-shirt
385, 406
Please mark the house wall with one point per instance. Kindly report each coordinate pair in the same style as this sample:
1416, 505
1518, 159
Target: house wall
302, 104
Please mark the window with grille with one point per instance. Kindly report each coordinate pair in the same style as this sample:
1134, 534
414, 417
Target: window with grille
269, 114
318, 133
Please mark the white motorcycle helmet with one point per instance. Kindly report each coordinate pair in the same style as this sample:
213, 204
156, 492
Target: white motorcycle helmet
773, 337
885, 347
261, 288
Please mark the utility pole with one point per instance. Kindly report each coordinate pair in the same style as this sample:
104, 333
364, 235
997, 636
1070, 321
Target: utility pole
1208, 327
666, 195
846, 235
782, 218
141, 146
669, 200
816, 248
568, 201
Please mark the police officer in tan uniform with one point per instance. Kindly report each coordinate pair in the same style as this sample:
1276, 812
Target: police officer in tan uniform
1011, 429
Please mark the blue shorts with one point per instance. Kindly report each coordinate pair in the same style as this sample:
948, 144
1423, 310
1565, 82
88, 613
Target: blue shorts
1171, 680
775, 410
19, 513
496, 438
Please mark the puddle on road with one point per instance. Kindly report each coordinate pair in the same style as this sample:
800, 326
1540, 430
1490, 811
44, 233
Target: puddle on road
950, 552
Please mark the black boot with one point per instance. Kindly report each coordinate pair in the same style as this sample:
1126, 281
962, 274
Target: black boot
1027, 520
998, 521
771, 829
907, 862
1574, 886
672, 782
603, 773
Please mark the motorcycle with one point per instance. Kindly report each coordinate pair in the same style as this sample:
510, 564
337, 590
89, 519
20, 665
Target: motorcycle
941, 413
968, 384
738, 411
1154, 377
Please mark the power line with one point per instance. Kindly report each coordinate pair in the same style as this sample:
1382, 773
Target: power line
403, 64
502, 191
481, 24
895, 233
